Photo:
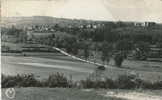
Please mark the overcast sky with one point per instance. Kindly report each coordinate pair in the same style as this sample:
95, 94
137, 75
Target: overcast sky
124, 10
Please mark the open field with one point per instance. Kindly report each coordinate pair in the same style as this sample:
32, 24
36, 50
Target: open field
82, 94
43, 64
55, 94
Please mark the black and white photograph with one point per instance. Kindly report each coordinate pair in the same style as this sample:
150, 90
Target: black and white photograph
81, 49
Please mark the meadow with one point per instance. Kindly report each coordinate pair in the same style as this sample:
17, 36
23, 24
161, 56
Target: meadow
56, 94
44, 64
84, 94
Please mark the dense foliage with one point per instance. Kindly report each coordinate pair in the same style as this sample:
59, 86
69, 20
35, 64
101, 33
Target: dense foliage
59, 80
106, 40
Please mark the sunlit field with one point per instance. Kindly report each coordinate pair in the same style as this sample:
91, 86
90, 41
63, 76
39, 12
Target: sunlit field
44, 64
42, 67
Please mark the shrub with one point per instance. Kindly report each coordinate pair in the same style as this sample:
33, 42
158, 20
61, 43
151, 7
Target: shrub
152, 85
128, 82
8, 81
57, 80
27, 81
110, 83
157, 85
19, 80
96, 83
88, 83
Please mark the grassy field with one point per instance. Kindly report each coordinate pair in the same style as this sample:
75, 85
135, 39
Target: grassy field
55, 94
148, 71
82, 94
43, 64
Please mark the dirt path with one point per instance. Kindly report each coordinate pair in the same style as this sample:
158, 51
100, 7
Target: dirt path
129, 94
133, 96
76, 58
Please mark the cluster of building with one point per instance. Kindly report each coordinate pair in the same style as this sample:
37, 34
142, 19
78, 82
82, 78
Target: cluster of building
144, 24
93, 25
40, 28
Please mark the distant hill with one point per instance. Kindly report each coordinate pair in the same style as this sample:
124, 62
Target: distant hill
37, 20
46, 20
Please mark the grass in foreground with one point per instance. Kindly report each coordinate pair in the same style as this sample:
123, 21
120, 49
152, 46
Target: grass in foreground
56, 94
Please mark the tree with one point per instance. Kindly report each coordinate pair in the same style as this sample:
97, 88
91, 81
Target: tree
106, 50
124, 46
85, 46
119, 58
22, 36
98, 35
95, 47
86, 51
70, 44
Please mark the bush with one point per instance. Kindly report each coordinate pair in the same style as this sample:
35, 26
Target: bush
19, 81
27, 80
92, 84
128, 82
154, 85
7, 81
89, 83
157, 85
57, 80
110, 83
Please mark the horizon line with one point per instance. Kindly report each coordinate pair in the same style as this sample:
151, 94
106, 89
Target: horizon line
86, 19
